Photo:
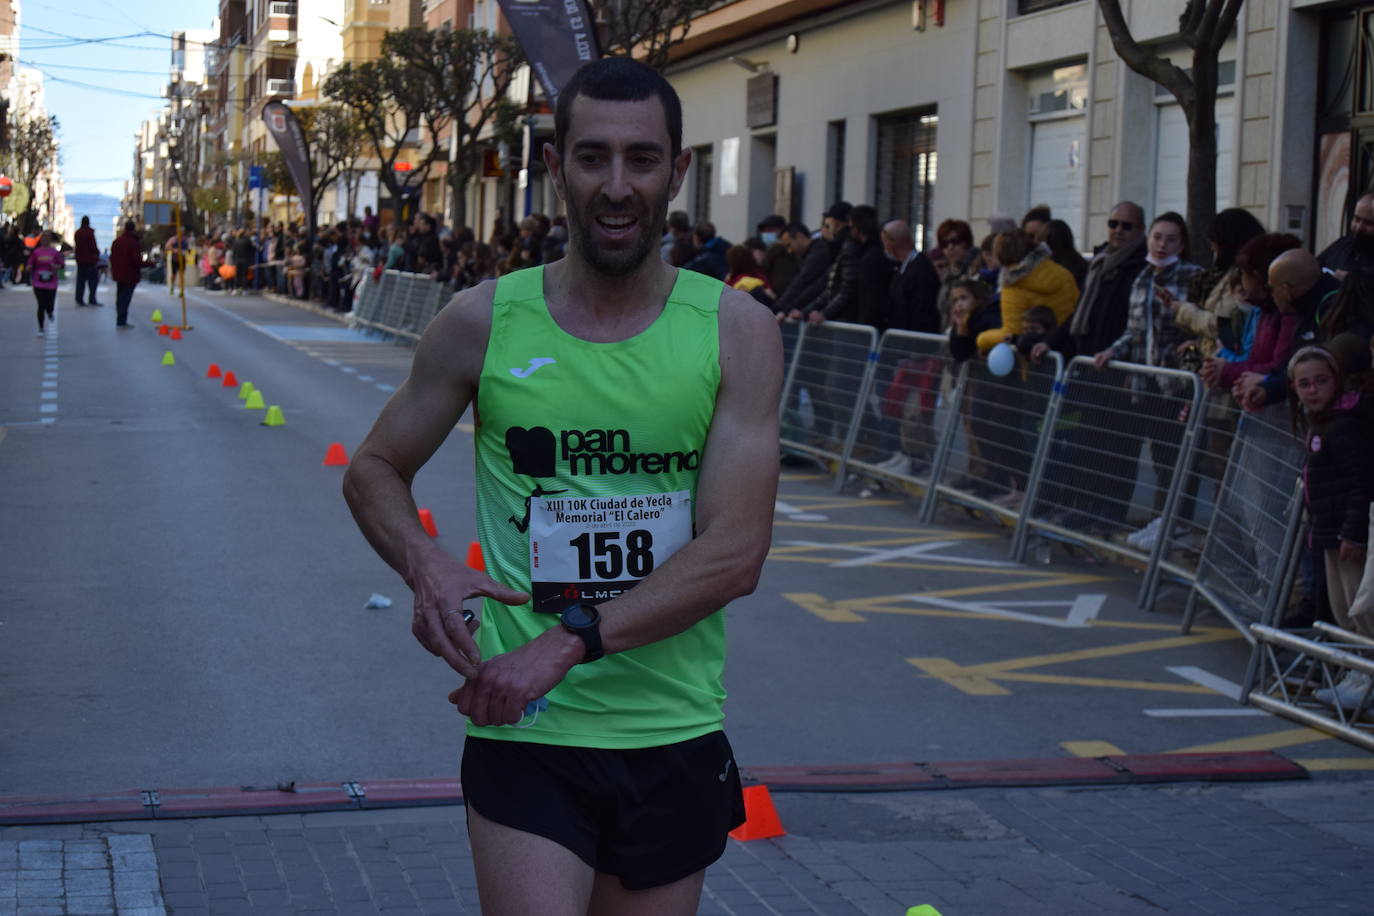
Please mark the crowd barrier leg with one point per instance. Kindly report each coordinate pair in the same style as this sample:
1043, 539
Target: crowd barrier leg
1020, 539
940, 460
1178, 481
789, 382
1227, 483
855, 420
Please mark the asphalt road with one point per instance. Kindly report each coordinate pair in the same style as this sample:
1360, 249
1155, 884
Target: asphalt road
182, 591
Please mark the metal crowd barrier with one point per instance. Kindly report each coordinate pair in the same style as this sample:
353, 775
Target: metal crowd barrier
991, 450
1313, 660
399, 303
829, 377
1114, 443
1247, 563
899, 428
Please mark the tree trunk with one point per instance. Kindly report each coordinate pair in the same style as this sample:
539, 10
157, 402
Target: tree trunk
458, 187
1202, 155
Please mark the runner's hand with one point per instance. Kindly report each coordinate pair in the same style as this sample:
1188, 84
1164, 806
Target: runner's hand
443, 634
1351, 552
504, 684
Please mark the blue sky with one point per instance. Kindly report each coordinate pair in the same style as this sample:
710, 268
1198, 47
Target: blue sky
124, 69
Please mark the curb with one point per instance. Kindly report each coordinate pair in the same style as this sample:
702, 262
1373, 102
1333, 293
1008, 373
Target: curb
350, 795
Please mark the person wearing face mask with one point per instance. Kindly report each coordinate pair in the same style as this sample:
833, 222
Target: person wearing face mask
1353, 251
1150, 329
779, 264
1150, 336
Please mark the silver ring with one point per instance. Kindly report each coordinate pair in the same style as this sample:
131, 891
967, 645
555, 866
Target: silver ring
467, 615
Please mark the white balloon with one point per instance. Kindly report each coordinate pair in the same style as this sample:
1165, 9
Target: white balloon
1002, 359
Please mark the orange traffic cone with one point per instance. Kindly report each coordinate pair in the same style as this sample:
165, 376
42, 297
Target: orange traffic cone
213, 371
163, 330
427, 522
335, 455
760, 817
475, 560
176, 334
229, 381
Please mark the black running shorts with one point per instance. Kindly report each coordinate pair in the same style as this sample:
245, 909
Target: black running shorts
649, 816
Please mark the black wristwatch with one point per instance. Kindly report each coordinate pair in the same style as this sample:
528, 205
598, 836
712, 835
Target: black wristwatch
584, 621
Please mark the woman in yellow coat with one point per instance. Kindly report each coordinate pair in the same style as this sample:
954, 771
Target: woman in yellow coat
1029, 278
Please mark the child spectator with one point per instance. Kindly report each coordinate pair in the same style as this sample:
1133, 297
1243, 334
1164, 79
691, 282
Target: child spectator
1337, 481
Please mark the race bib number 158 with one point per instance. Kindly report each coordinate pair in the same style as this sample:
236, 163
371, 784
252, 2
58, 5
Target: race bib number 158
591, 549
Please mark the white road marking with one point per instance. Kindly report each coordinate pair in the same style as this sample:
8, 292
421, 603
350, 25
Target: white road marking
366, 378
50, 384
924, 551
387, 387
1082, 610
349, 369
1228, 689
47, 408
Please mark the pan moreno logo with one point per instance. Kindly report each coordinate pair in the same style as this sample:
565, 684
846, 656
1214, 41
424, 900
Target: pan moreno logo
537, 451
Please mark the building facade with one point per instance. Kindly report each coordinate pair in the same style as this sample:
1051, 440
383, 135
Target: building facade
930, 110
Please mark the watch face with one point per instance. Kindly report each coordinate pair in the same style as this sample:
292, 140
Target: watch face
578, 616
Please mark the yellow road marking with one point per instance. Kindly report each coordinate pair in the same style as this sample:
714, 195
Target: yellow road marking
1266, 742
1326, 764
845, 610
933, 567
1092, 748
464, 427
827, 504
1163, 686
974, 679
967, 680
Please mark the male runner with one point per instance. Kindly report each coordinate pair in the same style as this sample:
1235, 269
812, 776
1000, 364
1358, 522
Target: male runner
626, 464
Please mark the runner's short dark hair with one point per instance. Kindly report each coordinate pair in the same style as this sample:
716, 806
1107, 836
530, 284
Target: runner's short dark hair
618, 79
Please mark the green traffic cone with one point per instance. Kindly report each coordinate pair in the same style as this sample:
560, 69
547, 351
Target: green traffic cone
168, 359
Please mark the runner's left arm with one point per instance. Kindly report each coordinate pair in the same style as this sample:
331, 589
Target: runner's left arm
736, 492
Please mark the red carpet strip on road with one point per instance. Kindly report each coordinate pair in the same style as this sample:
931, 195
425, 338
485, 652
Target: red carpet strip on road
1130, 769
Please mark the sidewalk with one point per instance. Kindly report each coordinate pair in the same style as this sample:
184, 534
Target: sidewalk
1259, 848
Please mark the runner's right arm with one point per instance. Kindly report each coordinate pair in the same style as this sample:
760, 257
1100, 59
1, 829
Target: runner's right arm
411, 427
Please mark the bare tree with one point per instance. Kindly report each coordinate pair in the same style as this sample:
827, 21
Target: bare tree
647, 29
469, 74
183, 161
1204, 27
395, 108
32, 152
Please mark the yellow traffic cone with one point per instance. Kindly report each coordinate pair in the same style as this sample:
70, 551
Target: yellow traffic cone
244, 390
254, 400
274, 417
157, 315
168, 359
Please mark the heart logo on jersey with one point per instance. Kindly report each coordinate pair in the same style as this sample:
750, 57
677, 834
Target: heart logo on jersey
532, 451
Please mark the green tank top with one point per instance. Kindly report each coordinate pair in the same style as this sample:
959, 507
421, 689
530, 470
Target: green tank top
587, 458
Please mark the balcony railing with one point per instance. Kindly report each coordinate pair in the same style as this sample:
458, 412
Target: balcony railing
281, 87
279, 9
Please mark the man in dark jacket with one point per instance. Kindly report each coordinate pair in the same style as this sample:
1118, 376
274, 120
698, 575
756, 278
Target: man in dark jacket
816, 257
1299, 287
87, 262
913, 300
840, 300
126, 268
710, 258
1105, 302
1353, 251
245, 253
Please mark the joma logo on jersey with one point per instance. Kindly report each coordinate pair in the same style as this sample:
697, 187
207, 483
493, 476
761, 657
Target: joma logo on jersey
585, 452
